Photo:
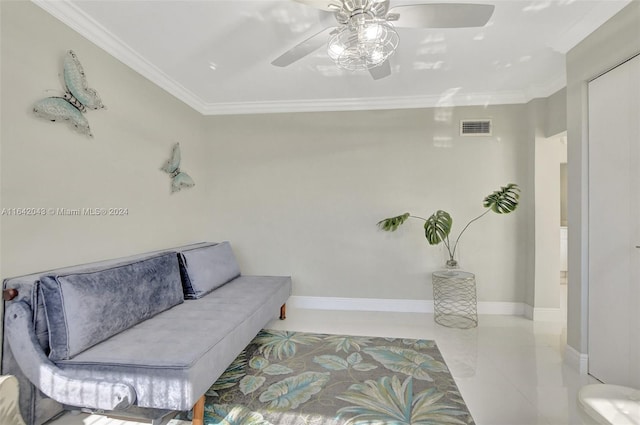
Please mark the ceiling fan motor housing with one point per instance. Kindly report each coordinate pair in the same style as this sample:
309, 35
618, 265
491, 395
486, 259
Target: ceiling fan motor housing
351, 8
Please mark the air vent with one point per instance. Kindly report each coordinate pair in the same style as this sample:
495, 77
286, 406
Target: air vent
475, 127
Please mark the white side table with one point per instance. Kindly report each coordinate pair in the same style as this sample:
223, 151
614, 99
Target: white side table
454, 299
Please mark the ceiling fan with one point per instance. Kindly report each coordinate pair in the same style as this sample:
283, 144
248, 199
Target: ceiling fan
365, 35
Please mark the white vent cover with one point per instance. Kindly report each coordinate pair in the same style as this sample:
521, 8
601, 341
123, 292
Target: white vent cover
475, 127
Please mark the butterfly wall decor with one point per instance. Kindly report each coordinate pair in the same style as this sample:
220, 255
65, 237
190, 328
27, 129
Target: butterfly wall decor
179, 179
74, 102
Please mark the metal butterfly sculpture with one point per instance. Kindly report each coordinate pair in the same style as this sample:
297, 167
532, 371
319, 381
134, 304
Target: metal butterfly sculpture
179, 179
74, 102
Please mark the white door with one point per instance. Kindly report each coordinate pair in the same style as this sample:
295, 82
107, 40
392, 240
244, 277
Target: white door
614, 225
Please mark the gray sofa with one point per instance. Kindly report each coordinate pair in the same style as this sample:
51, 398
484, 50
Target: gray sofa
143, 336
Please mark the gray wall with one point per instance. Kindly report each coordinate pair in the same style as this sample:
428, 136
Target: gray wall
564, 220
614, 42
302, 193
556, 113
48, 165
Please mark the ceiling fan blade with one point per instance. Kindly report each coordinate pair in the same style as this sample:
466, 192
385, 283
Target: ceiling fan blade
384, 70
441, 15
304, 48
328, 5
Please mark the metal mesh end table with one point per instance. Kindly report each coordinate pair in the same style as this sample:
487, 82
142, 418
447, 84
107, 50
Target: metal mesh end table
454, 299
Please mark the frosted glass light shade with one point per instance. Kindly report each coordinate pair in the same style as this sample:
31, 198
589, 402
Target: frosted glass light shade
364, 43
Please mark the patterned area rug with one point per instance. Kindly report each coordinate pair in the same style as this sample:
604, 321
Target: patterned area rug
296, 378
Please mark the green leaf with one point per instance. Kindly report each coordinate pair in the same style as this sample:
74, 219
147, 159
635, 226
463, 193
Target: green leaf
258, 363
354, 358
276, 369
385, 401
250, 383
392, 223
437, 227
389, 401
364, 367
505, 200
347, 343
331, 362
282, 344
229, 414
292, 392
407, 361
427, 410
419, 343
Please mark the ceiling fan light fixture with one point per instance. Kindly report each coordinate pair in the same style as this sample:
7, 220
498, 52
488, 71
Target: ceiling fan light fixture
364, 43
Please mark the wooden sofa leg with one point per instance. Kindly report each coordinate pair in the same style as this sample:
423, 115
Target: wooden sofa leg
283, 312
198, 412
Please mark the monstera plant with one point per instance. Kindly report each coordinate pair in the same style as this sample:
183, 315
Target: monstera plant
437, 227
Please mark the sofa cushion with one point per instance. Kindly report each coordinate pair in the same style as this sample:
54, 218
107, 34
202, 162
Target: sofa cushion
172, 372
83, 309
204, 269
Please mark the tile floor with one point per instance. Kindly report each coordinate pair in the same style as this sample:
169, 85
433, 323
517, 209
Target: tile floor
509, 370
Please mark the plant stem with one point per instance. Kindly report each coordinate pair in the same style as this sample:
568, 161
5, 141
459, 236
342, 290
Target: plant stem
465, 228
445, 241
448, 245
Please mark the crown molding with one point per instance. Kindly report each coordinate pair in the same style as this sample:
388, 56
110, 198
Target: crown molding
360, 104
85, 25
72, 16
547, 88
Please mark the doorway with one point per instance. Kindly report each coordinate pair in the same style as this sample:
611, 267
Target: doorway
550, 303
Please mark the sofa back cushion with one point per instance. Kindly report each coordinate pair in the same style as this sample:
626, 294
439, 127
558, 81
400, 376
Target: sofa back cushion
83, 309
204, 269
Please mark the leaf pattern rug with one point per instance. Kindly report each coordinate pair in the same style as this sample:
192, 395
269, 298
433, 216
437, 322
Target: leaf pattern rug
297, 378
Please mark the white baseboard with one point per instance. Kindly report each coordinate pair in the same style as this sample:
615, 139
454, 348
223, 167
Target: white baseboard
576, 360
547, 315
394, 305
539, 314
501, 308
361, 304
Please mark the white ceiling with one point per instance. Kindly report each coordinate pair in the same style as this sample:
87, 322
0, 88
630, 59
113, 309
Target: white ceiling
216, 55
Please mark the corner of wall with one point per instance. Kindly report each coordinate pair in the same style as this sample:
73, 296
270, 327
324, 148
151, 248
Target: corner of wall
556, 113
576, 360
